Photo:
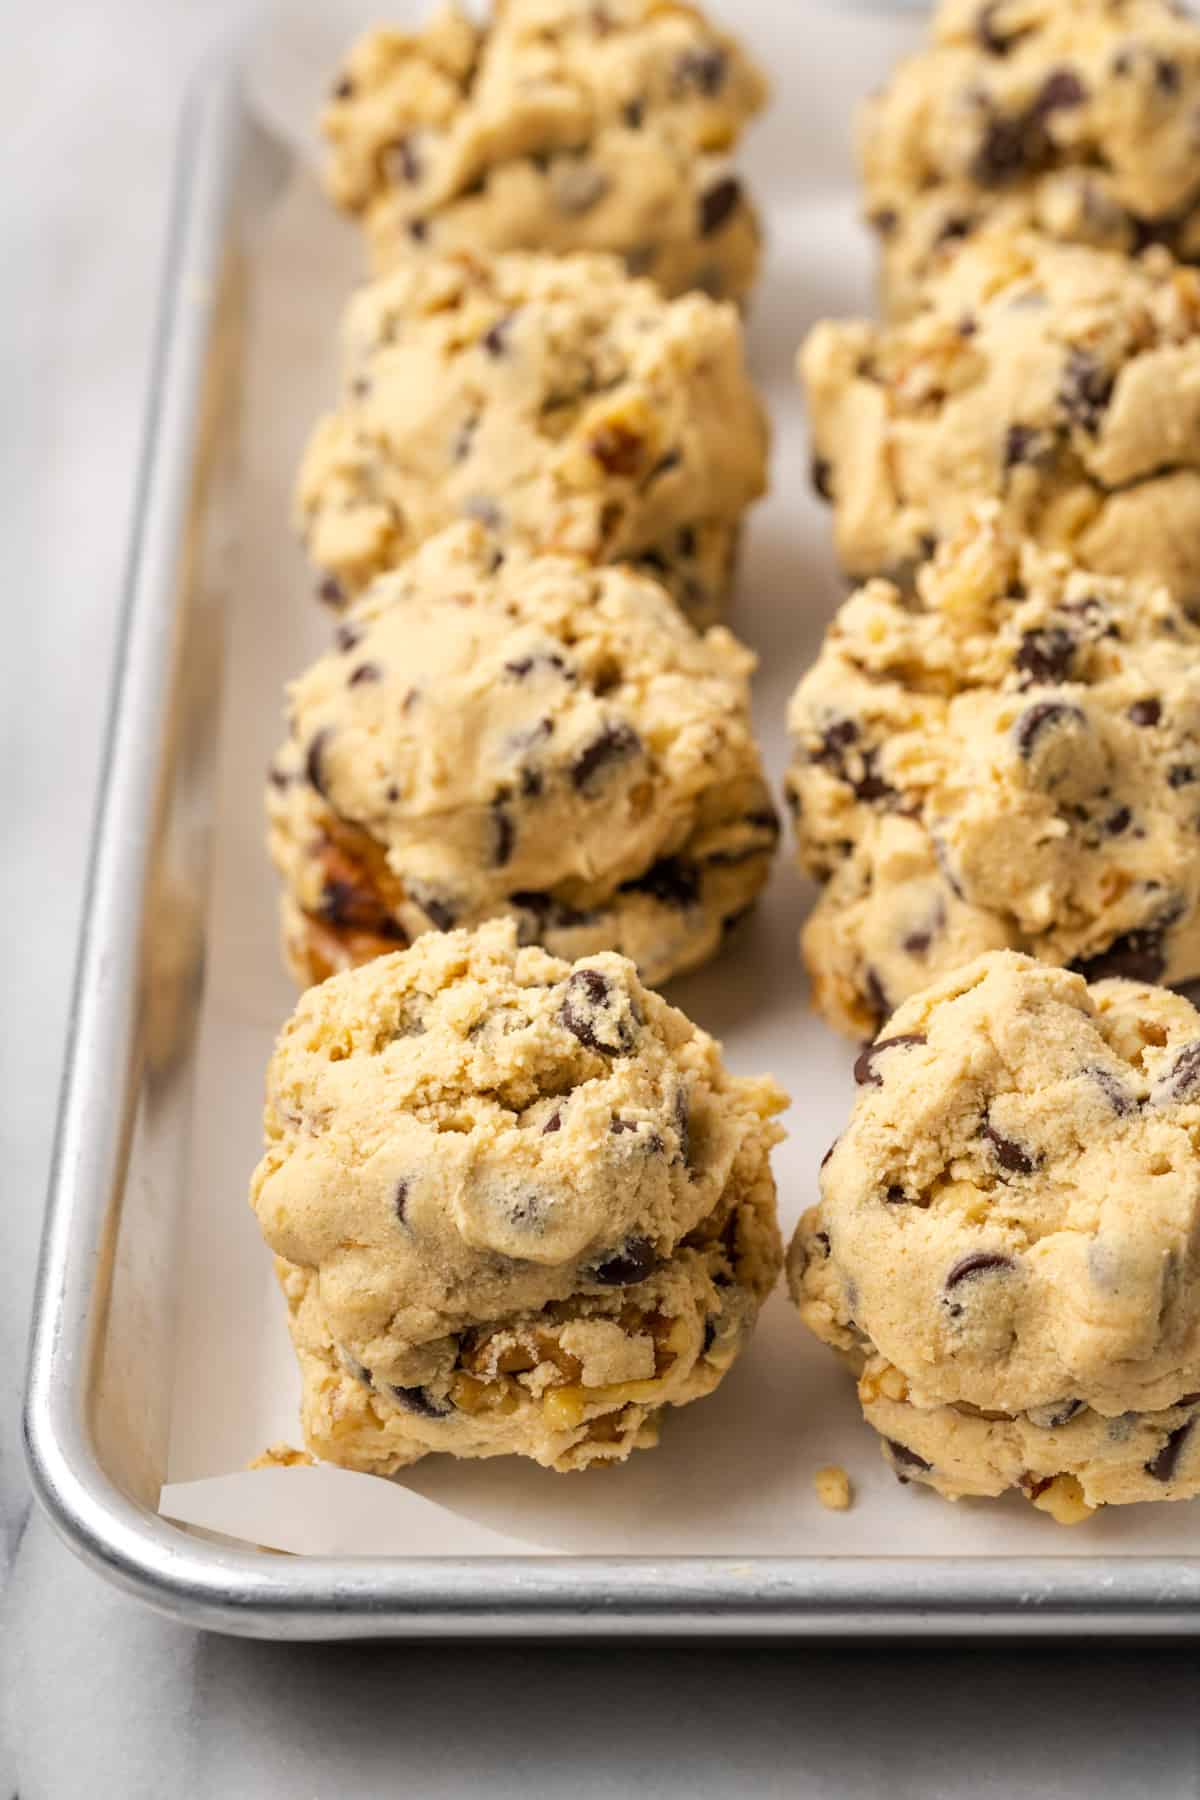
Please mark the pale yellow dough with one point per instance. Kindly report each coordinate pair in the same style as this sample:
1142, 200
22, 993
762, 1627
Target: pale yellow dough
1063, 382
518, 1206
1011, 758
539, 738
1074, 116
561, 125
1007, 1246
553, 399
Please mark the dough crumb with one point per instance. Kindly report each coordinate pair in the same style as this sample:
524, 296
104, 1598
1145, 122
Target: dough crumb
1063, 1499
283, 1456
833, 1488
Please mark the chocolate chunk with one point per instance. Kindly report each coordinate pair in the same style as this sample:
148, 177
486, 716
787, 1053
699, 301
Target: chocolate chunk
1045, 655
553, 1123
617, 450
615, 744
979, 1262
331, 591
895, 1195
671, 881
1008, 148
865, 1072
906, 1458
719, 204
682, 1113
419, 1400
635, 1259
591, 1011
1085, 391
347, 636
1118, 821
703, 70
1145, 712
314, 760
365, 672
400, 1201
1162, 1466
1037, 722
1181, 1082
821, 471
1009, 1154
1113, 1089
1137, 956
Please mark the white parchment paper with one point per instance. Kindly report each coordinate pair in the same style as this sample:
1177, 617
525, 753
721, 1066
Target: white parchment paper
733, 1475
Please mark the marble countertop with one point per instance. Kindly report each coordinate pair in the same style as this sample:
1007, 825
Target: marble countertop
100, 1697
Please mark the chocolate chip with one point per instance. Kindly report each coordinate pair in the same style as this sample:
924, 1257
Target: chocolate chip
1136, 956
906, 1458
1045, 655
632, 1262
719, 204
979, 1262
343, 88
365, 672
865, 1072
418, 230
895, 1196
1181, 1082
400, 160
331, 591
615, 744
634, 114
419, 1400
870, 786
346, 637
495, 339
821, 471
436, 907
1061, 90
522, 666
710, 1336
1085, 390
504, 833
876, 993
278, 778
1007, 149
885, 220
617, 450
1113, 1089
1166, 75
1145, 712
671, 881
1181, 775
1009, 1154
400, 1201
1162, 1466
313, 762
1118, 821
953, 227
590, 1011
358, 1370
1025, 444
553, 1123
1056, 1414
822, 1238
704, 70
548, 913
682, 1113
1038, 721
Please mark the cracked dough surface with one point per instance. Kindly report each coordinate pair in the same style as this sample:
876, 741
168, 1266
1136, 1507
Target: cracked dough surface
538, 738
1062, 381
1007, 1246
519, 1206
562, 125
555, 400
1078, 118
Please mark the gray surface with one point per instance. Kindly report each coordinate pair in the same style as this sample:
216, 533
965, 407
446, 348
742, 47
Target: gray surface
101, 1698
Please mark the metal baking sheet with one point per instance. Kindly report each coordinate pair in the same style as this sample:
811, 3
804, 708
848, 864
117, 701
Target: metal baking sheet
112, 1273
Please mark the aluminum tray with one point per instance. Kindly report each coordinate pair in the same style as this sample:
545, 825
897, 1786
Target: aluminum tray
97, 1407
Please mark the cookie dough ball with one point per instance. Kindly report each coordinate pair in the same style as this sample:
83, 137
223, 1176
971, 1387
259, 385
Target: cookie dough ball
519, 1206
1007, 1247
1009, 759
1079, 119
561, 125
563, 405
525, 735
1063, 381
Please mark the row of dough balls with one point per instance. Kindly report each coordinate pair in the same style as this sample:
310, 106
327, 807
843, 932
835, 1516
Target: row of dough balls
998, 752
518, 1203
